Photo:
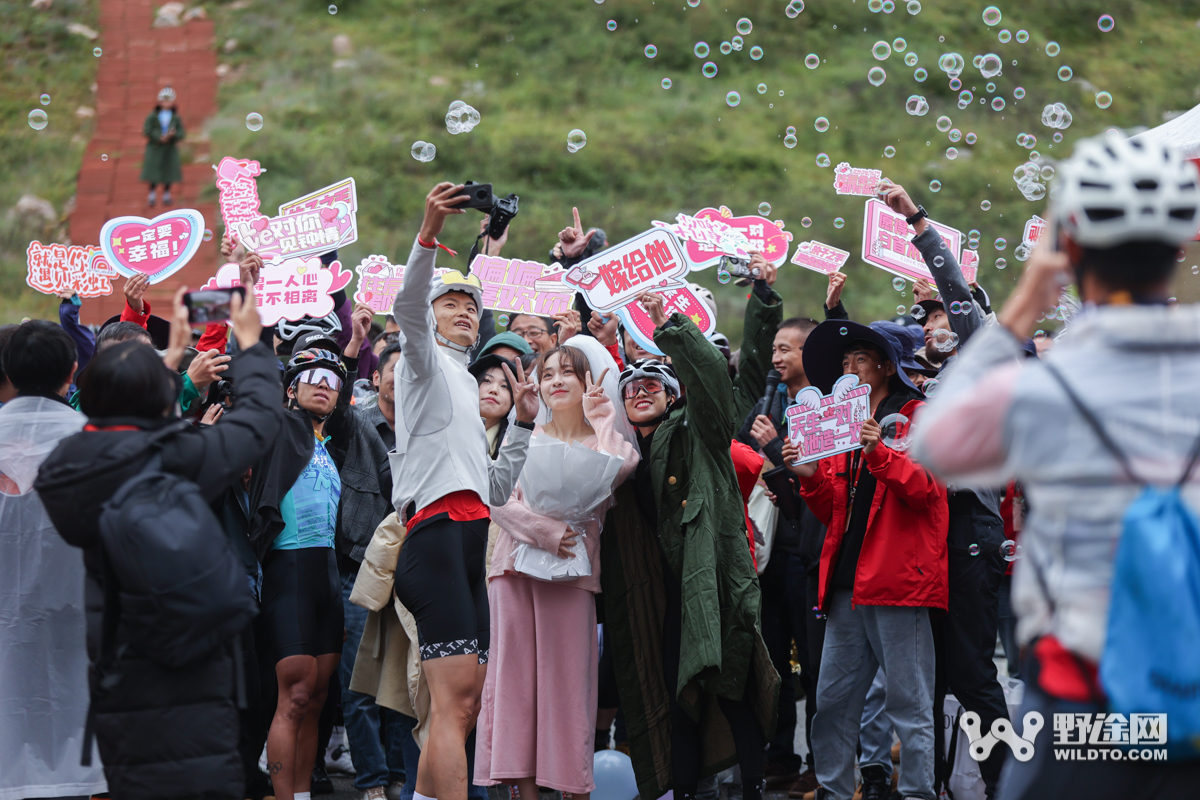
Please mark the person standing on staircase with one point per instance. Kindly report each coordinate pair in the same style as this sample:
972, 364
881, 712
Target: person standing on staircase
163, 128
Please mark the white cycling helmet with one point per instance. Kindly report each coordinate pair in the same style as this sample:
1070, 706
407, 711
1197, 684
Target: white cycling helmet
1115, 190
289, 331
453, 281
649, 368
167, 95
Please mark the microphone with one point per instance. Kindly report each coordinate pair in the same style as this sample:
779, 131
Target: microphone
764, 405
772, 384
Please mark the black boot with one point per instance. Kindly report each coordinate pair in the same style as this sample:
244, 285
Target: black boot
321, 784
875, 783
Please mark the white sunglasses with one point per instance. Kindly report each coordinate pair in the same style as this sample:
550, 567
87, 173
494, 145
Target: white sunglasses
320, 375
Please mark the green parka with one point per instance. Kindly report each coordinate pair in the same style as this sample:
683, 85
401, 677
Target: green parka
702, 531
160, 164
758, 335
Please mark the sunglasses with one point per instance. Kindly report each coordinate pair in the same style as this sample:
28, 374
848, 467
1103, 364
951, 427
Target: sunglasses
316, 377
647, 385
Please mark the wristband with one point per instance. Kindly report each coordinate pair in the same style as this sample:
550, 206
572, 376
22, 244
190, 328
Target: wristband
913, 220
526, 425
434, 245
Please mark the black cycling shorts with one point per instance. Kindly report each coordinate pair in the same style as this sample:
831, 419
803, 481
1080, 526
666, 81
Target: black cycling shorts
441, 578
302, 603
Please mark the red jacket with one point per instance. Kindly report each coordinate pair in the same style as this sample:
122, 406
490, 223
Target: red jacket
747, 465
903, 558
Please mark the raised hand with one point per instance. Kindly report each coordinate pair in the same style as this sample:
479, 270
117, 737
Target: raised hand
440, 203
833, 295
247, 325
568, 323
525, 393
871, 435
135, 290
1046, 274
763, 430
573, 239
766, 271
207, 367
249, 268
492, 246
653, 305
603, 328
181, 329
595, 390
923, 290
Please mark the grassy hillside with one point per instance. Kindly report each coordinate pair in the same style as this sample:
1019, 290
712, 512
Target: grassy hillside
535, 69
40, 56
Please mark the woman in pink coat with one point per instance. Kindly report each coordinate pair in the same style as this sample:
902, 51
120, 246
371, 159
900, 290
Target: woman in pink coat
537, 722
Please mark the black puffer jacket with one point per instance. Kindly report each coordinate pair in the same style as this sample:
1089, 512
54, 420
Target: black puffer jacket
162, 732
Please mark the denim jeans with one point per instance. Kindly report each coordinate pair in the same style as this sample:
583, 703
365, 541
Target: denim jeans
875, 735
375, 733
858, 641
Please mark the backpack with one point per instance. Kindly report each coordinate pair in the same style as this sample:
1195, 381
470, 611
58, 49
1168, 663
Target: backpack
1151, 658
180, 588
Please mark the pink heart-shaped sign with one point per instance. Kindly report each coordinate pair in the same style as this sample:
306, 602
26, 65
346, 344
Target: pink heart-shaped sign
259, 224
329, 214
157, 247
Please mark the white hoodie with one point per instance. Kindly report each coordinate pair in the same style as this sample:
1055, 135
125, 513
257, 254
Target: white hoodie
441, 443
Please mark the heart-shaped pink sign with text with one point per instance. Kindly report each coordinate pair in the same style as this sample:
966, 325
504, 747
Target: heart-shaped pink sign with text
157, 247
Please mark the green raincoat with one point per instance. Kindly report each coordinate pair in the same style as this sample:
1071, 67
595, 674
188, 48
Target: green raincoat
702, 530
758, 335
161, 161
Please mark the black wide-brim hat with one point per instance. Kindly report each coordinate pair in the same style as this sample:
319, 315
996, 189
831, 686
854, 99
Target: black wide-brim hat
827, 343
486, 362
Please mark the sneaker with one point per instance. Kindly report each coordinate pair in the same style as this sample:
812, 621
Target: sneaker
876, 784
375, 793
394, 789
321, 784
150, 198
262, 762
337, 760
166, 198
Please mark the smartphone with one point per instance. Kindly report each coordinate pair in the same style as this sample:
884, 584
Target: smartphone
210, 305
478, 195
738, 267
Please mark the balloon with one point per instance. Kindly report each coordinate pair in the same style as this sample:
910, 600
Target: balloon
613, 773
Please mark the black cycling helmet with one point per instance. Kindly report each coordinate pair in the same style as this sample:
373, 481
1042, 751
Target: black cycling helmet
312, 359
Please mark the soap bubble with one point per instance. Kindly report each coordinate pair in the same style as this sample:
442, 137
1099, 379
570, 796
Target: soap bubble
762, 88
991, 16
911, 59
666, 83
951, 153
991, 87
943, 123
97, 52
45, 99
1058, 137
794, 8
1065, 73
254, 121
1001, 263
952, 64
916, 312
985, 204
920, 74
1001, 244
1019, 93
889, 151
701, 49
756, 53
1105, 23
732, 99
806, 222
914, 7
744, 26
726, 48
935, 186
651, 51
956, 307
997, 104
1052, 49
723, 276
973, 549
1103, 99
332, 9
876, 76
208, 234
1056, 115
990, 65
1005, 36
955, 85
1021, 252
612, 24
938, 261
812, 61
104, 156
944, 341
954, 135
423, 151
576, 140
764, 209
898, 283
693, 3
1010, 550
899, 45
964, 98
791, 130
875, 6
461, 118
888, 6
1022, 36
821, 124
822, 160
789, 141
894, 427
709, 70
916, 105
839, 223
900, 311
970, 138
881, 50
502, 319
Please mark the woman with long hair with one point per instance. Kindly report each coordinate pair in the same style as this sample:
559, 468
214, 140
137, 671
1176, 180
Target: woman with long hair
537, 723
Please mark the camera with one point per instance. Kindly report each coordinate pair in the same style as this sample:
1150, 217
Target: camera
501, 214
211, 305
478, 195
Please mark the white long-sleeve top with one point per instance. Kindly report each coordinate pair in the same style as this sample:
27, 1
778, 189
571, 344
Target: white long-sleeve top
441, 443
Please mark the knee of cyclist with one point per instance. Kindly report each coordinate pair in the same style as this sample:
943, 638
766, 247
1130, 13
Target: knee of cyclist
299, 700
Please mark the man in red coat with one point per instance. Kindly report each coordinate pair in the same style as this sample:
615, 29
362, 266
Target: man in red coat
883, 566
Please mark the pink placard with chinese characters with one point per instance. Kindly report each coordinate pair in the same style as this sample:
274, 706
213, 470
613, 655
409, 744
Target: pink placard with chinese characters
969, 265
290, 289
297, 235
856, 180
237, 190
157, 247
379, 282
825, 425
513, 285
1035, 229
886, 242
714, 232
54, 268
822, 258
682, 300
650, 261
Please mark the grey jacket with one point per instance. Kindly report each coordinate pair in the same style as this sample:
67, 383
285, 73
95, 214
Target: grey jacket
999, 416
362, 460
441, 444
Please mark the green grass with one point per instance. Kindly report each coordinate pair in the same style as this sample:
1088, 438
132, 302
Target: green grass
40, 56
535, 69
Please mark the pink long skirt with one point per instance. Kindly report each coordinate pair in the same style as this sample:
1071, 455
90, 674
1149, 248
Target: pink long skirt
538, 714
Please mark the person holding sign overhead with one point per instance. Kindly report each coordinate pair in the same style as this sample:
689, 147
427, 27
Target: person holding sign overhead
883, 565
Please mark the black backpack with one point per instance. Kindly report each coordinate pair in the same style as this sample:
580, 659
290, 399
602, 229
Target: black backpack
178, 585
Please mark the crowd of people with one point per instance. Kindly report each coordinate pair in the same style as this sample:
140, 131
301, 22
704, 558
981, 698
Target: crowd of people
483, 556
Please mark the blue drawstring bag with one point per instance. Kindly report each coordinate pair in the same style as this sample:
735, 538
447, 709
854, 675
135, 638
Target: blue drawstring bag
1151, 658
